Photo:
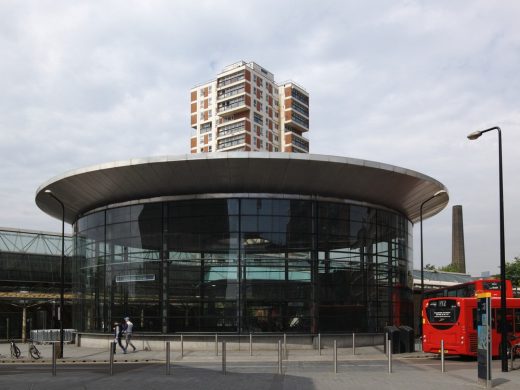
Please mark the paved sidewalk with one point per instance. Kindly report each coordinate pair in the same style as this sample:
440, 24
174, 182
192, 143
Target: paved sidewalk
73, 354
87, 368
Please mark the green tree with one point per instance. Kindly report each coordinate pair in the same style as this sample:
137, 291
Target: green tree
449, 268
513, 271
445, 268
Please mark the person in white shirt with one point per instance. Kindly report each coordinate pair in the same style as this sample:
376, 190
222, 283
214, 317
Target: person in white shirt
128, 333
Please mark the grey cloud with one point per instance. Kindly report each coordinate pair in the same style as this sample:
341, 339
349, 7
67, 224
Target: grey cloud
397, 82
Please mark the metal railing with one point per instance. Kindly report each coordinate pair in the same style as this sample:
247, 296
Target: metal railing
272, 347
43, 336
233, 92
252, 342
222, 82
230, 106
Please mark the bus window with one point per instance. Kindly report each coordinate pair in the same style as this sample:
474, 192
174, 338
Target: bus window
470, 291
517, 320
491, 286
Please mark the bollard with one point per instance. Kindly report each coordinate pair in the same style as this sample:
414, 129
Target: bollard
250, 344
386, 344
216, 344
167, 358
224, 357
442, 357
182, 346
285, 346
280, 357
335, 357
319, 343
111, 360
53, 360
389, 350
353, 343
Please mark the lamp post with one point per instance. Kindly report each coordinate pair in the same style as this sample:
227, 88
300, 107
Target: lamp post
62, 268
438, 193
503, 308
435, 195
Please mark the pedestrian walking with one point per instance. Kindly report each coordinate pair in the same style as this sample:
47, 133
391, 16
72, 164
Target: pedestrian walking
129, 329
118, 331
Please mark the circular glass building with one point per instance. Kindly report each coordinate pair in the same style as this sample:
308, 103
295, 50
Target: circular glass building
242, 242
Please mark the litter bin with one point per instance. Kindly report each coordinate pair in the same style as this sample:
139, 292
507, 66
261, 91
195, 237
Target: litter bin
394, 336
407, 339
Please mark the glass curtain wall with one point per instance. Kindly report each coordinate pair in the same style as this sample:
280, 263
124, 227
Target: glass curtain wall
243, 265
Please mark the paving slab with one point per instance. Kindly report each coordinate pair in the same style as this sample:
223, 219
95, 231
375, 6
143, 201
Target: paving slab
88, 368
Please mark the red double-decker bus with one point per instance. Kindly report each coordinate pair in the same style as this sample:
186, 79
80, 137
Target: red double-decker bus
454, 320
471, 289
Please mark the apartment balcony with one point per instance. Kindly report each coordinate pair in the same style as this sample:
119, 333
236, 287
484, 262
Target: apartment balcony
231, 92
232, 142
300, 96
240, 148
232, 129
300, 109
297, 141
297, 120
230, 80
232, 106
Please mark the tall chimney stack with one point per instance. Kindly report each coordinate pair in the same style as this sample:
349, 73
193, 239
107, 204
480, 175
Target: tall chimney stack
458, 259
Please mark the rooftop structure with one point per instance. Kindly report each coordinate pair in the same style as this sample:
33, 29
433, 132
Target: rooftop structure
439, 279
85, 189
33, 242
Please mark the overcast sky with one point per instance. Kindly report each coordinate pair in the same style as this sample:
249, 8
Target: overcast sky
400, 82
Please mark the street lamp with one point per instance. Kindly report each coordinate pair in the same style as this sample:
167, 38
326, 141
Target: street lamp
503, 331
62, 268
438, 193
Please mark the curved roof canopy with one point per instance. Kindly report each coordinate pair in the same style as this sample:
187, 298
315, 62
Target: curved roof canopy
88, 188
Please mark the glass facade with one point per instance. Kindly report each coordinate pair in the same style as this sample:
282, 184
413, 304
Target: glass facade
30, 280
243, 265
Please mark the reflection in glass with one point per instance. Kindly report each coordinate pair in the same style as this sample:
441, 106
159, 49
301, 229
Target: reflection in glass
243, 265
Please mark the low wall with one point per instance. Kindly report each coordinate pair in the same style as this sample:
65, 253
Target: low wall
206, 342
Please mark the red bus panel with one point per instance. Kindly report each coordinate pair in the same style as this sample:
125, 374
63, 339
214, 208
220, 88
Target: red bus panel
454, 320
471, 289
